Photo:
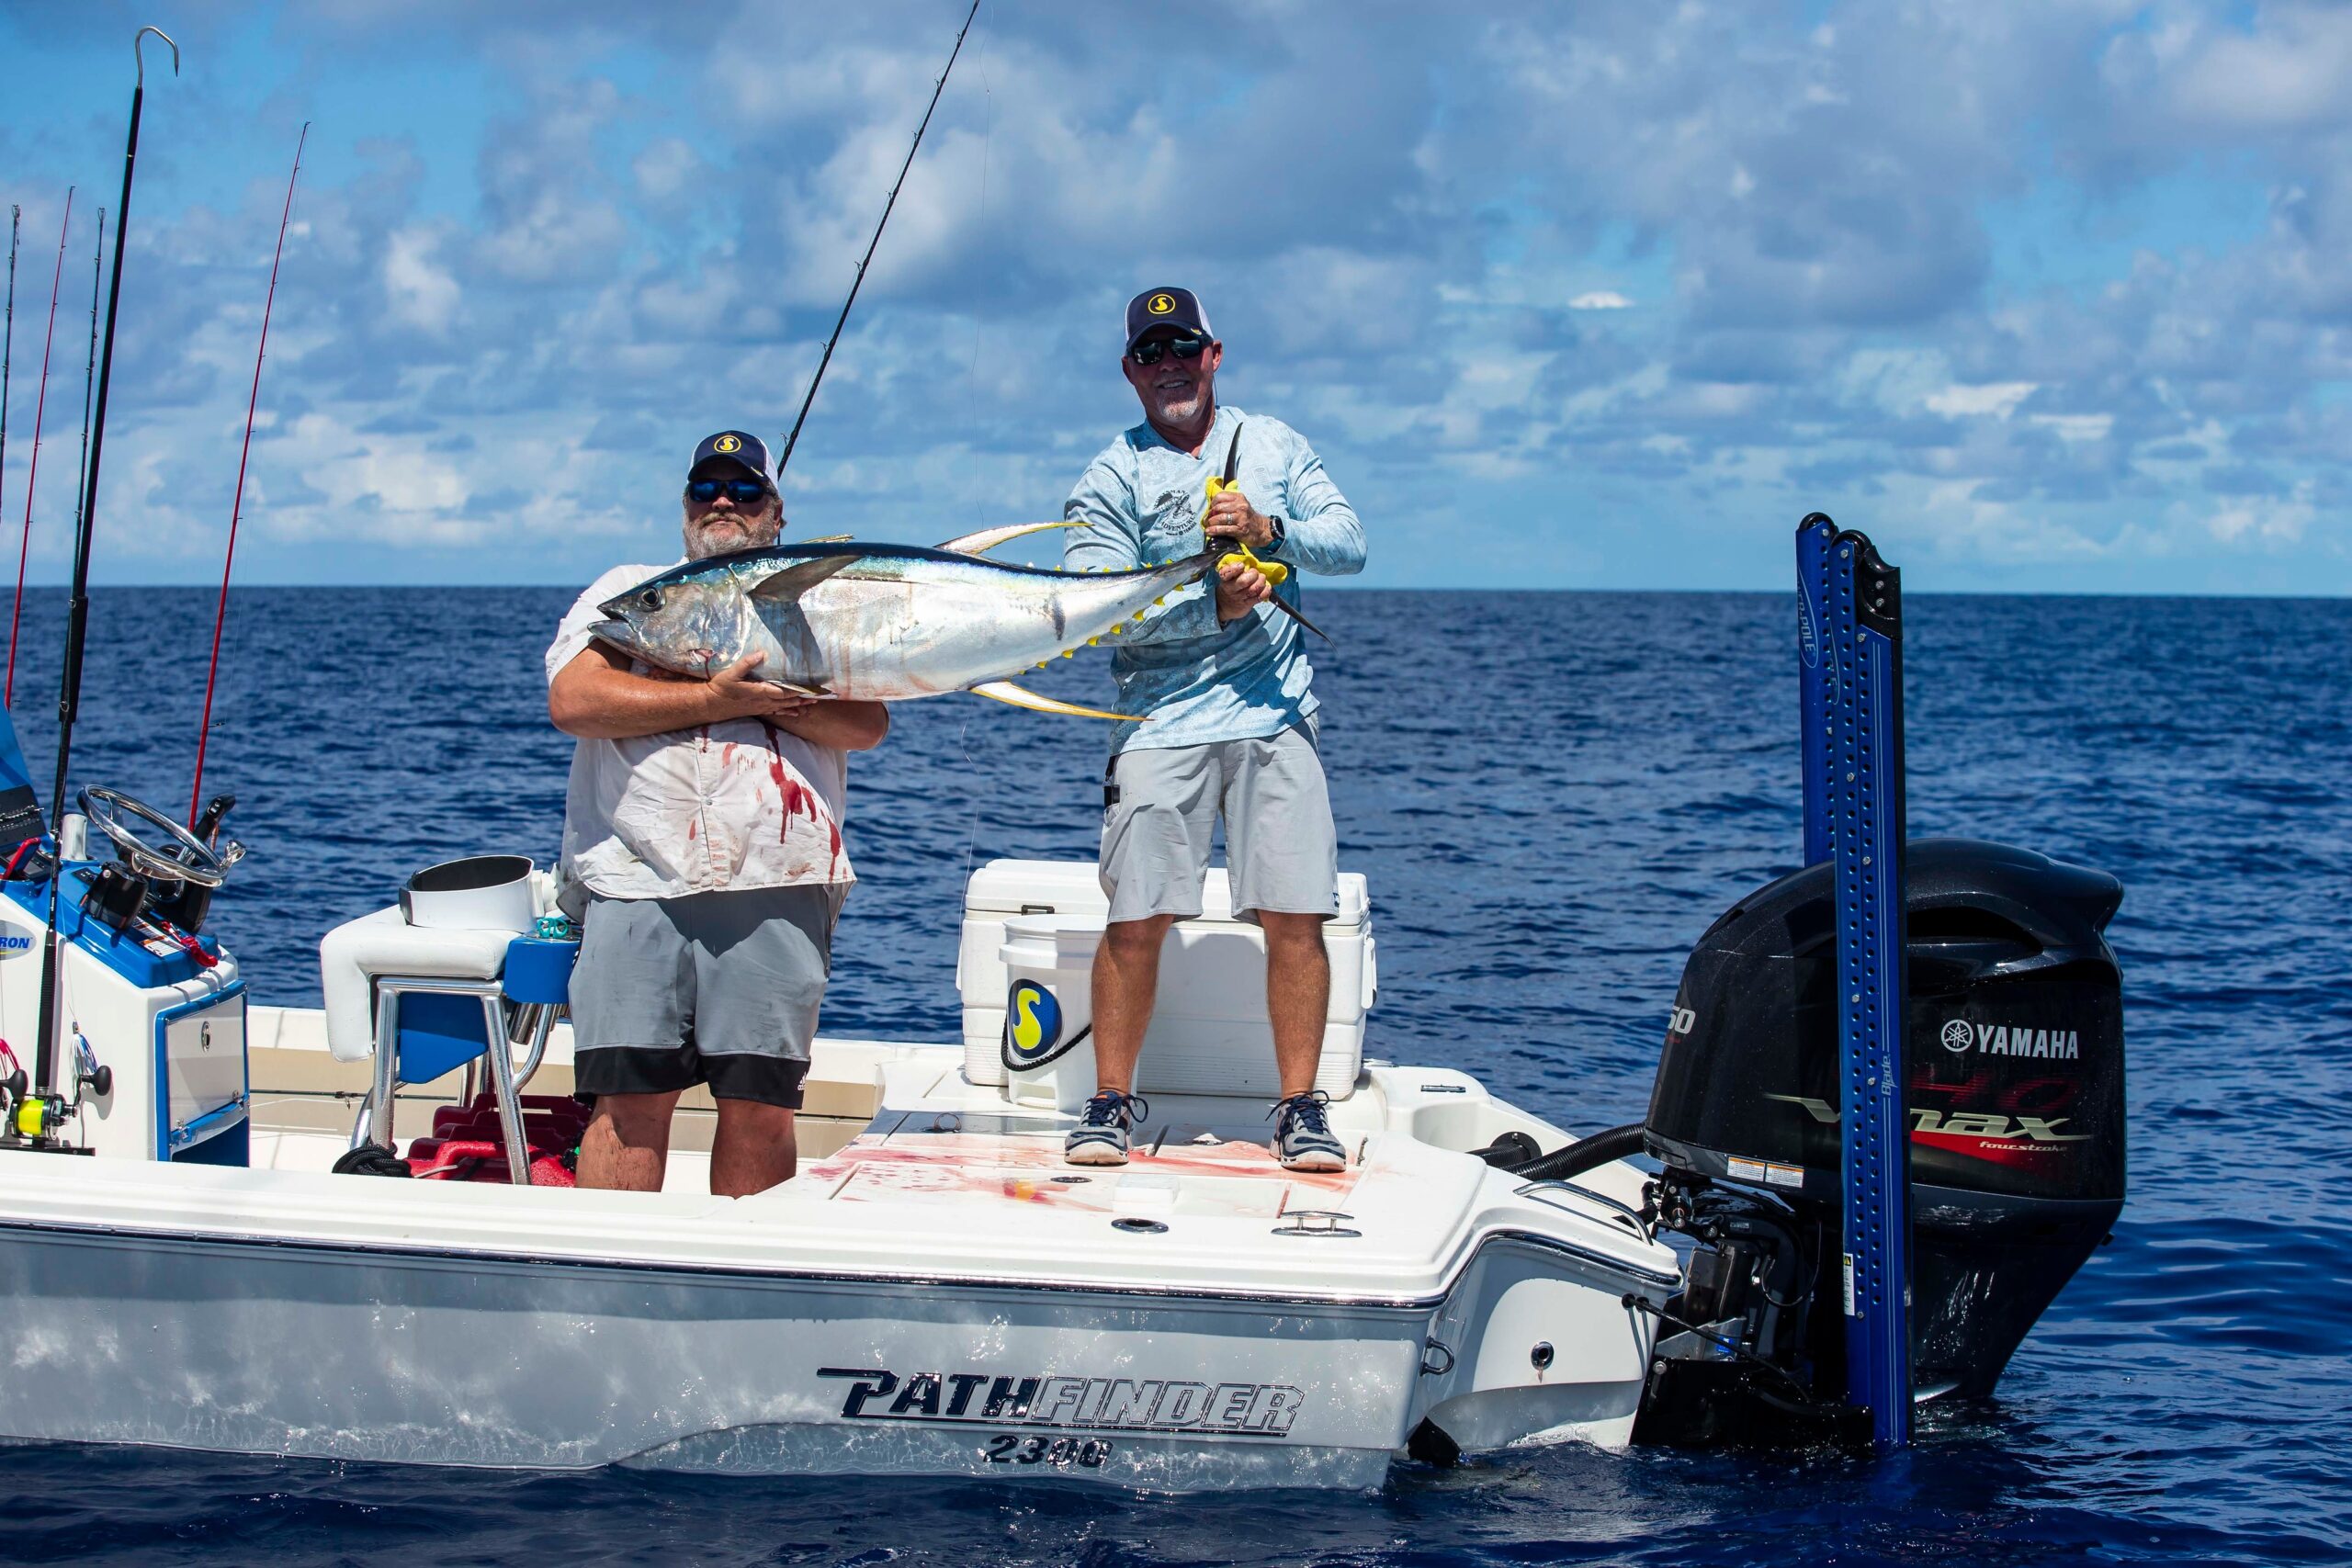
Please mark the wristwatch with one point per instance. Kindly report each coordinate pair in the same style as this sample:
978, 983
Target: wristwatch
1275, 525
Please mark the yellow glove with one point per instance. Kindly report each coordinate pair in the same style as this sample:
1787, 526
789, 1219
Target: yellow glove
1272, 571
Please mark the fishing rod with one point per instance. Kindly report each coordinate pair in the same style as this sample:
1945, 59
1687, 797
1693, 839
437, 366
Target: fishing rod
827, 358
32, 474
32, 1114
1274, 572
89, 366
237, 505
8, 341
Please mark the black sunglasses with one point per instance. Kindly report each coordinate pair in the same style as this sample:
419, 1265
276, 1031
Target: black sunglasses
742, 492
1152, 350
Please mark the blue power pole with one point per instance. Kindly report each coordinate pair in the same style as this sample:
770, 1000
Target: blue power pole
1816, 673
1855, 795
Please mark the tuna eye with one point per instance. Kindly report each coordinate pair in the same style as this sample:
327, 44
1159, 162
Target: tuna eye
650, 598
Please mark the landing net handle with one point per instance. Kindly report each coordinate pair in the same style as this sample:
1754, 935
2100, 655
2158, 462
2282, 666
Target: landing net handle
1851, 603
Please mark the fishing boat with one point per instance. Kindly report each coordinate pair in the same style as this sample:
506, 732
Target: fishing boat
350, 1231
1887, 1128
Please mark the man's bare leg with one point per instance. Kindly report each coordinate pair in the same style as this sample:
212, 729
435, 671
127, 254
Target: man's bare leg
1298, 994
1126, 980
753, 1149
626, 1147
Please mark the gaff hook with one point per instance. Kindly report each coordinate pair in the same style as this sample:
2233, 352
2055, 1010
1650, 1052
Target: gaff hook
140, 38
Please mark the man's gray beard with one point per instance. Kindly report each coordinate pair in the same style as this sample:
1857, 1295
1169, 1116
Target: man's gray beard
700, 548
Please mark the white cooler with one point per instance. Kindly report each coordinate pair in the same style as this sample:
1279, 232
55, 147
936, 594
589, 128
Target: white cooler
1209, 1033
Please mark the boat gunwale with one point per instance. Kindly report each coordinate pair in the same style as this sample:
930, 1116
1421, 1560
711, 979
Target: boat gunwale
786, 1275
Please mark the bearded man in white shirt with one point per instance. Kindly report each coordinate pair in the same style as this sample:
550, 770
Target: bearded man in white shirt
703, 820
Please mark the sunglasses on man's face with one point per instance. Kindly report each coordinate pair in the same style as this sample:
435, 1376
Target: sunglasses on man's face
1152, 350
742, 492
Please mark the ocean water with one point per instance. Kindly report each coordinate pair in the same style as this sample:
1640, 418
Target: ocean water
1552, 794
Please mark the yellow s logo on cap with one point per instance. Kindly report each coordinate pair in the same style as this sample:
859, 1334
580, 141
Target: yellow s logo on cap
727, 443
1161, 304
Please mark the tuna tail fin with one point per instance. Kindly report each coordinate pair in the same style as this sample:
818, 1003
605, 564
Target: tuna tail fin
1006, 692
989, 538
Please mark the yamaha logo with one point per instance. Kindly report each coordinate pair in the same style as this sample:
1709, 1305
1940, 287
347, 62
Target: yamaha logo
2012, 1040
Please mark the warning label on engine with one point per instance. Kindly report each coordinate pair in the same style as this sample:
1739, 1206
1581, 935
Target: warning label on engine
1766, 1172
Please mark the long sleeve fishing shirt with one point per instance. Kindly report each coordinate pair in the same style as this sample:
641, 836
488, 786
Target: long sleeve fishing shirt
733, 805
1140, 503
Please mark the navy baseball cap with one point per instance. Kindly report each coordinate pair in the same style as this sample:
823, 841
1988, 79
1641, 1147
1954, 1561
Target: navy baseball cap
1165, 308
731, 446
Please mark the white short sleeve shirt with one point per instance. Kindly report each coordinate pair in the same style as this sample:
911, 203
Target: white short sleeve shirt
733, 805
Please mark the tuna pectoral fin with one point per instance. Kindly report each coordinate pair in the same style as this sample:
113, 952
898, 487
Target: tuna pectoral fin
989, 538
1006, 692
794, 581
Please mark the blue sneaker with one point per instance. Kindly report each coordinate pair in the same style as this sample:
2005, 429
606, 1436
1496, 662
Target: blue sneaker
1303, 1139
1101, 1135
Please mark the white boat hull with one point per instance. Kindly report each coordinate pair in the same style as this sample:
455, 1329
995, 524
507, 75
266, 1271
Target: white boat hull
446, 1357
935, 1293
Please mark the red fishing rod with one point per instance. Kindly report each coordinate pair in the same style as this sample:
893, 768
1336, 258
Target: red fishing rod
236, 505
32, 474
34, 1112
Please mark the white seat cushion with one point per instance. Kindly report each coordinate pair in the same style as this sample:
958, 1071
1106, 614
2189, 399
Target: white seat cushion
355, 954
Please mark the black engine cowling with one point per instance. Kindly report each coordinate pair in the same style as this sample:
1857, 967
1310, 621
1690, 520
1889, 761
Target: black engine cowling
2013, 1046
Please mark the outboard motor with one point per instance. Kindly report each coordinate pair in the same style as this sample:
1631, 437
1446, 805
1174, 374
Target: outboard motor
2013, 1055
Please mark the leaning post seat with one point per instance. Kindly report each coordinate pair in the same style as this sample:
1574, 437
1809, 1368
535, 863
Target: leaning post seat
424, 1001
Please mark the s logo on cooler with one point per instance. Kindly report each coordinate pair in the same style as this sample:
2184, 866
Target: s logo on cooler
1033, 1027
1033, 1023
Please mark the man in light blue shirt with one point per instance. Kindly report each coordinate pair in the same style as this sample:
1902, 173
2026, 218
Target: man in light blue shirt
1222, 677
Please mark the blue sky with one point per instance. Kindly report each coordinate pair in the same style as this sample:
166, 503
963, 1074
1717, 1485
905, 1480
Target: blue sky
2048, 295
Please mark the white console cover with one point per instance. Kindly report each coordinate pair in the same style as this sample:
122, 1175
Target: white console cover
354, 953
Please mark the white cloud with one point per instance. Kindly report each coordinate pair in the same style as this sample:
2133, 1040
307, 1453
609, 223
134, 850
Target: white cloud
2266, 523
2076, 426
1707, 254
419, 292
1999, 398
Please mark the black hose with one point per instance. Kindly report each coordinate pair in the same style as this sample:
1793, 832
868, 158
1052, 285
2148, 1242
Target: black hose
1584, 1154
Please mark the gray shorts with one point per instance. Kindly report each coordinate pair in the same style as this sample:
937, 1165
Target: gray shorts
718, 988
1280, 849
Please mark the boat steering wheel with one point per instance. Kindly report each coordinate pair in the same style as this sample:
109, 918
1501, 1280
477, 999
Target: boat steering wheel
190, 859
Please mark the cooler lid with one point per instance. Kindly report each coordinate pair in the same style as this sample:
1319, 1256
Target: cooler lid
1074, 887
